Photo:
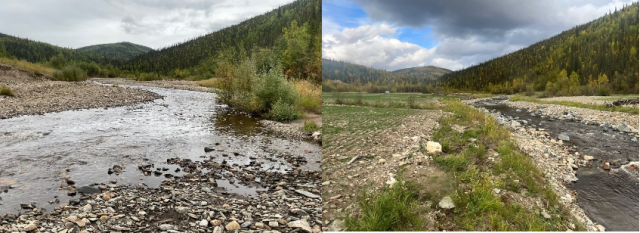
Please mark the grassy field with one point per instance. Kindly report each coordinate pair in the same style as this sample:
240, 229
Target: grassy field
381, 100
465, 162
599, 107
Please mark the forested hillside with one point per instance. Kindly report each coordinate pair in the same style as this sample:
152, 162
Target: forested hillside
291, 33
122, 51
345, 76
595, 58
40, 52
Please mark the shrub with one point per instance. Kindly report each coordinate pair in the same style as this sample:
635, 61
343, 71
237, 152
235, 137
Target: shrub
148, 77
283, 111
71, 74
277, 96
4, 90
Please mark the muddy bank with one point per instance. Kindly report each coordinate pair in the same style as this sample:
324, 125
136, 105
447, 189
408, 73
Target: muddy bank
38, 94
589, 157
49, 159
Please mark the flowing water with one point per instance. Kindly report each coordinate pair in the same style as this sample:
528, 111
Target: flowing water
608, 198
37, 152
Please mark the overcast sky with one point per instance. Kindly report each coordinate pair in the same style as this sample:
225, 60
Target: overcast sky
399, 34
152, 23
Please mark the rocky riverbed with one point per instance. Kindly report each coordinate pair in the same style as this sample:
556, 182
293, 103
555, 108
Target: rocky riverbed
589, 157
142, 168
38, 94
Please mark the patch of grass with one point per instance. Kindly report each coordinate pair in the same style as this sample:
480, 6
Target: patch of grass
379, 100
25, 65
392, 209
310, 127
310, 96
70, 74
210, 83
477, 207
4, 90
600, 107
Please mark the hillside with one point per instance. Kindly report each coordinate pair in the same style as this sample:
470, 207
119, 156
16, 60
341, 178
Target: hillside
423, 72
122, 51
345, 76
603, 54
237, 41
40, 52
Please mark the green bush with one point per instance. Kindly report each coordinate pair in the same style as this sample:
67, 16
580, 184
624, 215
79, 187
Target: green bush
282, 111
4, 90
71, 74
148, 77
277, 96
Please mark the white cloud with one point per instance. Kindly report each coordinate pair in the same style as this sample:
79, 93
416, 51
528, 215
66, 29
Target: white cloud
374, 46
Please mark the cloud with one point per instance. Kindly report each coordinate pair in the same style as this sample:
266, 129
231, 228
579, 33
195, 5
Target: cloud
153, 23
367, 45
467, 32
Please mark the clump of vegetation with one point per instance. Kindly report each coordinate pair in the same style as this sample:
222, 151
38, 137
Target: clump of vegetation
310, 96
310, 127
4, 90
70, 73
392, 209
477, 207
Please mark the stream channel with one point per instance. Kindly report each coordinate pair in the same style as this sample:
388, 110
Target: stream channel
608, 198
37, 152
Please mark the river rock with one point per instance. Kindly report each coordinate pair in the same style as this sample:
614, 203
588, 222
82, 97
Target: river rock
307, 194
165, 227
563, 137
302, 224
88, 190
606, 166
433, 147
203, 223
233, 225
31, 226
446, 203
216, 222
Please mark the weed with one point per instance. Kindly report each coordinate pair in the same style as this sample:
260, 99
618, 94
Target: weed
310, 127
4, 90
392, 209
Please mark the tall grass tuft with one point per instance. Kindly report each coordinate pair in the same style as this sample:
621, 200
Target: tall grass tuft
393, 209
71, 74
4, 90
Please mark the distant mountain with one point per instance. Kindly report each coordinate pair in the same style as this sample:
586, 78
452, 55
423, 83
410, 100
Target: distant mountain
34, 51
424, 72
122, 51
262, 31
349, 77
604, 50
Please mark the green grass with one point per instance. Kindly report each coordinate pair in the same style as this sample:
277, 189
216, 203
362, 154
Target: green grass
4, 90
477, 208
599, 107
310, 126
392, 209
381, 100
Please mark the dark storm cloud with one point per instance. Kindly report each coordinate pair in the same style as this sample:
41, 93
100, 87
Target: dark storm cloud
153, 23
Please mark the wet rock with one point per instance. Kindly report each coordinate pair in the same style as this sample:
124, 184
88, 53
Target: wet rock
302, 224
588, 158
27, 206
446, 203
233, 225
208, 149
563, 137
88, 190
433, 147
622, 127
217, 230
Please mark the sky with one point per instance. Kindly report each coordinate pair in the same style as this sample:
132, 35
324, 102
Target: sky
152, 23
453, 34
